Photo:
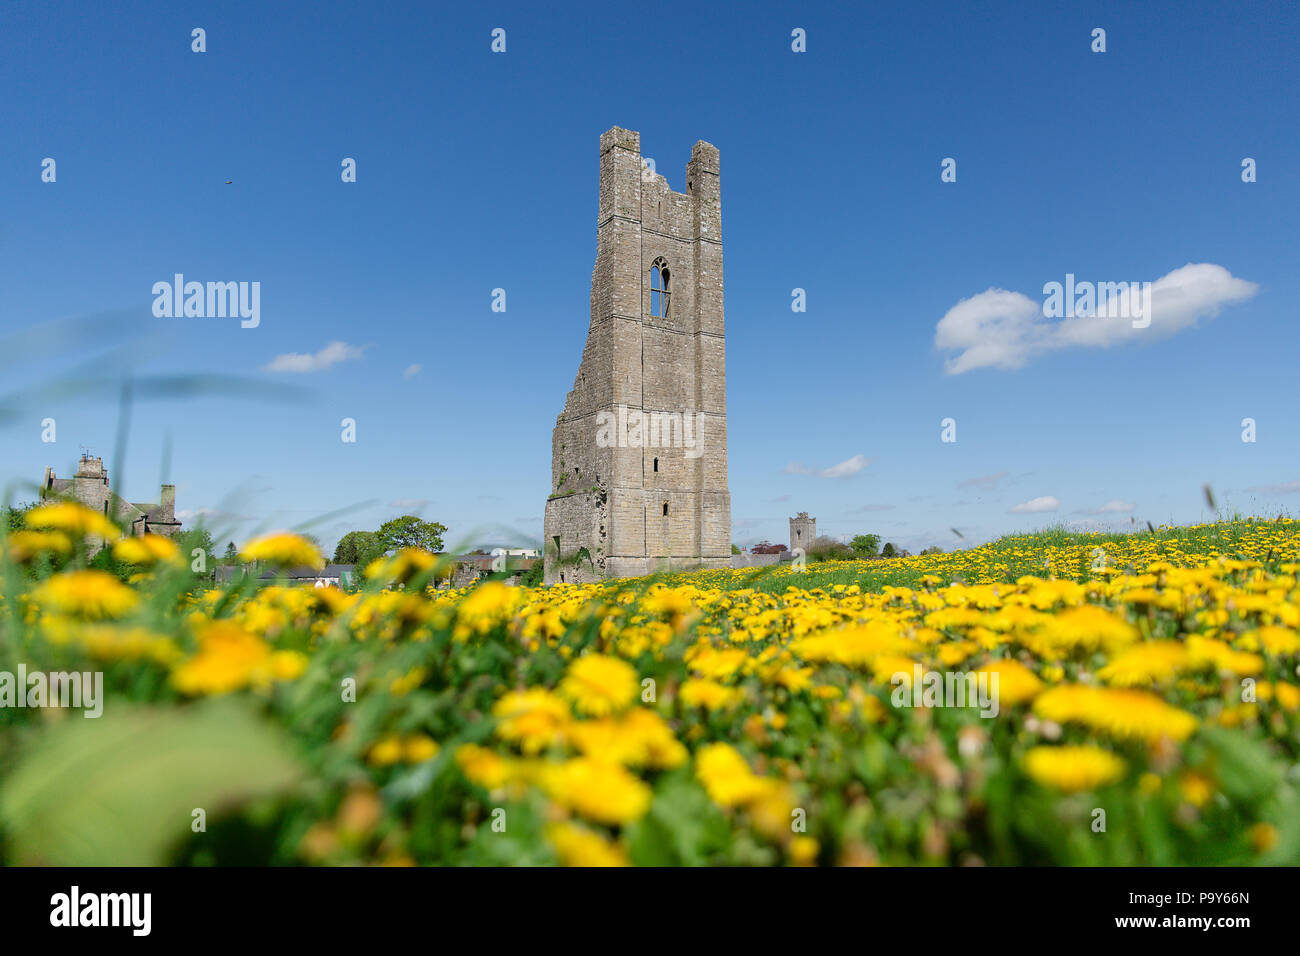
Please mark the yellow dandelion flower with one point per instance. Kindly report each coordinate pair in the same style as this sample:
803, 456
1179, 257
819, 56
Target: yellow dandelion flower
89, 594
1262, 836
1016, 682
640, 738
418, 748
598, 684
485, 607
108, 642
697, 692
401, 567
1088, 628
287, 665
147, 549
408, 682
578, 846
1073, 768
1195, 788
23, 546
1127, 714
597, 789
283, 548
385, 752
1145, 664
1278, 641
534, 719
483, 767
727, 777
803, 850
1207, 652
71, 517
1288, 696
230, 658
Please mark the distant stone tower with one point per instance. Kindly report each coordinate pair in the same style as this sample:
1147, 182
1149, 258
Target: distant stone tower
803, 531
639, 453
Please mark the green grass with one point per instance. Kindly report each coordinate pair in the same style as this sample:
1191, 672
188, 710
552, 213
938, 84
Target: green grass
1008, 558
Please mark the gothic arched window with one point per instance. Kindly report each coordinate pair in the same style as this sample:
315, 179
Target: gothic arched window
659, 293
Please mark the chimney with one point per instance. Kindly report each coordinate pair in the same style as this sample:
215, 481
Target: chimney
167, 503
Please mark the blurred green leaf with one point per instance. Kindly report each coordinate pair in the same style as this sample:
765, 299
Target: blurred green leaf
120, 789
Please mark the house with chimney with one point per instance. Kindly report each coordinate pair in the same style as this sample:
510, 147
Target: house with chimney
90, 487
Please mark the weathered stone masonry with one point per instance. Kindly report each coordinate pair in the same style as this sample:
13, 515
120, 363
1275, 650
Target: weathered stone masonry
637, 503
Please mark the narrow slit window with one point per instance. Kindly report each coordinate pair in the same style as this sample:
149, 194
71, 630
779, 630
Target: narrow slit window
665, 509
656, 464
659, 291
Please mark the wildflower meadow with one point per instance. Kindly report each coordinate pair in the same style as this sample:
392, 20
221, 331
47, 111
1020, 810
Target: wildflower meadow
1144, 686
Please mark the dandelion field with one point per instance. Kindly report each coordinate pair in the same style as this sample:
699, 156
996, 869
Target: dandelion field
710, 718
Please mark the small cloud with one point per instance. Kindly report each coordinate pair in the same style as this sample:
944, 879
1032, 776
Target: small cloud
779, 499
413, 369
1036, 506
301, 362
844, 469
984, 481
1115, 506
408, 504
862, 509
1286, 488
998, 328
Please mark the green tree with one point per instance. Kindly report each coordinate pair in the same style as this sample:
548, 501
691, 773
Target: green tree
14, 515
408, 531
358, 547
735, 549
104, 561
865, 545
888, 551
198, 537
827, 548
232, 553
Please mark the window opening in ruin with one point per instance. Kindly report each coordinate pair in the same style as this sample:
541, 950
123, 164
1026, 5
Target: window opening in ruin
659, 294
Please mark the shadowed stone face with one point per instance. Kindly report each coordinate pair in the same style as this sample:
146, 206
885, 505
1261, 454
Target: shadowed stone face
639, 452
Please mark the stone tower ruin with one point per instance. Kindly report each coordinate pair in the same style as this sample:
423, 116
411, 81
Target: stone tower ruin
803, 531
639, 453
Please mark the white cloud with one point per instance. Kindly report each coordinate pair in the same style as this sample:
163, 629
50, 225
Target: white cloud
1286, 488
862, 509
1114, 506
330, 355
1036, 505
412, 369
1002, 329
845, 468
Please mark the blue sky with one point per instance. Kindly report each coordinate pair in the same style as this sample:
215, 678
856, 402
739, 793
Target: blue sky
478, 171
